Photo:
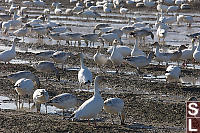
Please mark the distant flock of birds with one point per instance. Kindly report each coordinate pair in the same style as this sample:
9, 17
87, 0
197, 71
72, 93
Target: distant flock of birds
43, 26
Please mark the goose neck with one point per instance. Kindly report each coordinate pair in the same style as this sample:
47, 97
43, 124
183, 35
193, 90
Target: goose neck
13, 46
198, 47
82, 64
96, 88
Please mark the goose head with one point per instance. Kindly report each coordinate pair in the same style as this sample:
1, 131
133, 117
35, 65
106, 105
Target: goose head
182, 47
16, 40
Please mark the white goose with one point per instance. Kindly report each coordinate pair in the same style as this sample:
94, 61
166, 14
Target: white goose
187, 54
64, 101
93, 106
46, 55
47, 67
57, 11
24, 87
123, 50
14, 77
40, 96
123, 11
21, 32
100, 59
61, 57
196, 54
115, 106
116, 57
84, 74
8, 55
173, 73
139, 61
136, 51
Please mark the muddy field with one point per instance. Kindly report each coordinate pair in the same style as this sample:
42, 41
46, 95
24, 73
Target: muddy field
151, 104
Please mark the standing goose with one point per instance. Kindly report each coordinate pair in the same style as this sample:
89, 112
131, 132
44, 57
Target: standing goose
61, 57
84, 74
14, 77
8, 55
139, 61
47, 67
64, 101
115, 106
100, 59
196, 54
177, 54
93, 106
24, 87
21, 32
116, 57
187, 54
40, 96
136, 51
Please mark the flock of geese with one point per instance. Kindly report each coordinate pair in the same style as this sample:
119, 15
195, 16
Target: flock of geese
42, 26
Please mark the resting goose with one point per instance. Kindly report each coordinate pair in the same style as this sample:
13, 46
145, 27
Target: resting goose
93, 106
40, 96
14, 77
173, 73
24, 87
47, 68
139, 61
84, 74
8, 55
100, 59
64, 101
115, 106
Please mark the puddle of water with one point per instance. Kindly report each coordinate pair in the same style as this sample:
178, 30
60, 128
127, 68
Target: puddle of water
8, 103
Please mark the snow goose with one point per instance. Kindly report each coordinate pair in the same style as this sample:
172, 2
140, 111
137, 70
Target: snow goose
89, 14
47, 67
139, 61
57, 11
115, 57
10, 54
176, 55
187, 54
14, 77
161, 31
91, 107
127, 29
187, 19
61, 57
116, 31
172, 9
61, 29
161, 57
100, 59
141, 34
21, 32
40, 96
123, 50
161, 8
99, 26
46, 55
172, 73
92, 38
76, 37
64, 101
5, 26
149, 3
115, 106
24, 87
84, 74
123, 11
196, 54
136, 51
110, 37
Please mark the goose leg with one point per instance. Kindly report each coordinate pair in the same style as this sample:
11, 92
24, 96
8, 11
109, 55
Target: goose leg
63, 113
88, 122
46, 107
